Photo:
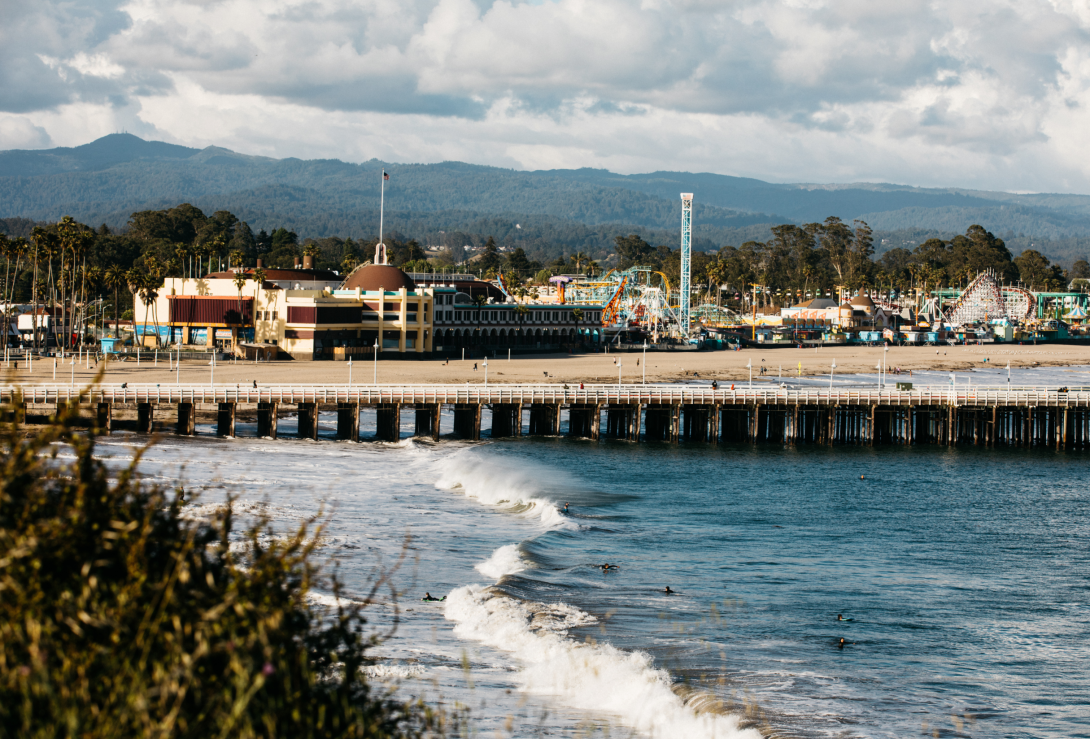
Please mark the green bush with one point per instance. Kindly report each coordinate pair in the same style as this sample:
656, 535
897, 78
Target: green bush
120, 617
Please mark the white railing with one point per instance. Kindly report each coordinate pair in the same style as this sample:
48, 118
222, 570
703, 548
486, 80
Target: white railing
541, 393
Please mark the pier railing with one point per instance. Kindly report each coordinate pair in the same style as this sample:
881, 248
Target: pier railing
544, 393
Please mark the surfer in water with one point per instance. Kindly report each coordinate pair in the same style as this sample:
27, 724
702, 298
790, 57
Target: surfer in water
669, 592
565, 508
841, 644
840, 617
608, 567
428, 599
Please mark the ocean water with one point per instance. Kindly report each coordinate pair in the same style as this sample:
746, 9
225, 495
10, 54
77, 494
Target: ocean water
963, 576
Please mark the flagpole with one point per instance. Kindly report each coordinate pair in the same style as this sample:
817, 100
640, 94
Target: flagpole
381, 204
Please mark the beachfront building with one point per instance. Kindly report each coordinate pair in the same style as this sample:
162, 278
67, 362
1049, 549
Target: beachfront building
305, 313
459, 322
472, 313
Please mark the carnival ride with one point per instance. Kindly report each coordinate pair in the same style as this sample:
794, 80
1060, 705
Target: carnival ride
637, 298
985, 299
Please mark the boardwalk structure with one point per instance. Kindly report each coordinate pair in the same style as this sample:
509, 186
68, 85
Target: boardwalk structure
982, 416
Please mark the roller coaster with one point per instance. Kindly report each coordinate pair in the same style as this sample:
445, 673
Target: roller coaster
985, 299
639, 297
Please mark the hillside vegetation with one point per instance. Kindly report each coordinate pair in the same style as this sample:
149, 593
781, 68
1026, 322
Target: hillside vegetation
547, 213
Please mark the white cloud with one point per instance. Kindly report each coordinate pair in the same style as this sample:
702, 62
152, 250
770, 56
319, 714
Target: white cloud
961, 93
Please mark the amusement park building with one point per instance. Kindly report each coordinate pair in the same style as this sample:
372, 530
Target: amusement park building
335, 317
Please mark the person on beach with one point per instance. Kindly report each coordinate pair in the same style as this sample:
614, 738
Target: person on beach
474, 366
715, 385
580, 386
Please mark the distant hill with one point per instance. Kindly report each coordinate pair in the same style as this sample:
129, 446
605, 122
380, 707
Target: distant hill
108, 179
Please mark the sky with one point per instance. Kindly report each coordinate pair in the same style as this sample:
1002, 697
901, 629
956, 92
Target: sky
966, 93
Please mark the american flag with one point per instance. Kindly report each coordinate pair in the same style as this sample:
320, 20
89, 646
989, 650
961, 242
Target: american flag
384, 175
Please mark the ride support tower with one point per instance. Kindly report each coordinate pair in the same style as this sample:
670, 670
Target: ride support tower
686, 262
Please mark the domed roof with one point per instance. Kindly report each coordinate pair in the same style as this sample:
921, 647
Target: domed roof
372, 277
863, 301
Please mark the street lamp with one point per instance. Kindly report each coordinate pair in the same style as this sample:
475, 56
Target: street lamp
619, 365
833, 372
485, 365
376, 358
645, 361
1008, 375
749, 365
350, 372
884, 352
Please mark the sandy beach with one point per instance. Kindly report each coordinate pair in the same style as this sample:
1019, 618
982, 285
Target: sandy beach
552, 368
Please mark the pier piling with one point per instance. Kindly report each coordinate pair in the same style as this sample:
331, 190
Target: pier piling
467, 421
348, 421
104, 417
187, 416
145, 418
427, 420
307, 413
388, 421
267, 417
506, 419
225, 419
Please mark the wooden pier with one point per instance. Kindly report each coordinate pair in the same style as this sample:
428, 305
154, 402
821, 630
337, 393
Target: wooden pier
981, 416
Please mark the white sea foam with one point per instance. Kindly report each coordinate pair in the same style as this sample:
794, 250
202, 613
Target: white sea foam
329, 600
388, 672
594, 677
504, 561
498, 483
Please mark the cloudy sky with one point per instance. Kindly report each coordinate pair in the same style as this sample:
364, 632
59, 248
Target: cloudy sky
967, 93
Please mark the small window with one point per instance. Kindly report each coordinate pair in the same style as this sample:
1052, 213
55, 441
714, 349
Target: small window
274, 315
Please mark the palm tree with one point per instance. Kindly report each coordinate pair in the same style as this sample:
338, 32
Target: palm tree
479, 301
92, 278
134, 278
577, 314
149, 295
240, 282
521, 311
6, 247
578, 258
13, 249
259, 278
180, 255
74, 241
115, 278
201, 250
39, 238
236, 258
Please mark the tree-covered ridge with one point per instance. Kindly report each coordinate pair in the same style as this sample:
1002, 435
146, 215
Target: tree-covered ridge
73, 263
105, 181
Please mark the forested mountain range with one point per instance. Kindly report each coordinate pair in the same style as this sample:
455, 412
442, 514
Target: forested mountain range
545, 212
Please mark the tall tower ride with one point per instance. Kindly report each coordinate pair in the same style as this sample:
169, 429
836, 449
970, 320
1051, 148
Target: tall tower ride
686, 260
